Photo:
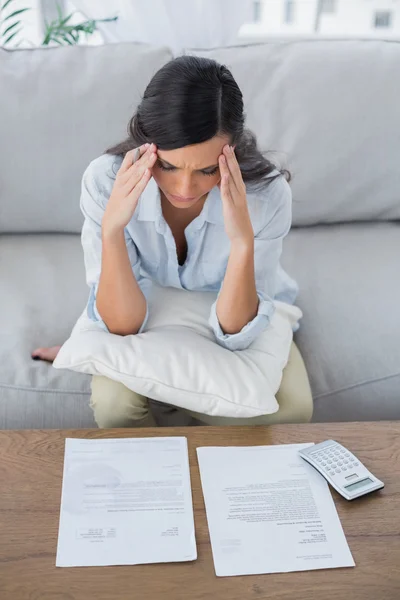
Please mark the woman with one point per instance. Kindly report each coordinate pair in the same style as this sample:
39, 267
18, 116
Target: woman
187, 200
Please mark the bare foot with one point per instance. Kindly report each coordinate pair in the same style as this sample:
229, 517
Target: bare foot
48, 354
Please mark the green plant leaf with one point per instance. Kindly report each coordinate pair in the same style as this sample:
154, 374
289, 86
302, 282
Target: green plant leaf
64, 37
5, 4
10, 27
17, 12
59, 11
66, 19
11, 36
60, 32
106, 20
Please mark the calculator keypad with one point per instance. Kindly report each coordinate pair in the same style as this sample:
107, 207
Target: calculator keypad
335, 460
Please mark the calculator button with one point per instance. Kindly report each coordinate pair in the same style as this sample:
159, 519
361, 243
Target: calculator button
340, 463
356, 464
344, 468
346, 462
337, 470
329, 461
346, 454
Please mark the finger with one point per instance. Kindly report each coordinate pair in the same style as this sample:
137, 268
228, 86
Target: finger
225, 190
132, 176
143, 160
129, 156
233, 167
226, 172
138, 168
141, 184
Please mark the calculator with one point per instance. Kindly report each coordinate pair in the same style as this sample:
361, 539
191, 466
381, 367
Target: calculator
344, 471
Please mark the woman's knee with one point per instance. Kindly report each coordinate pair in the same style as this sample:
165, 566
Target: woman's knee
295, 392
115, 405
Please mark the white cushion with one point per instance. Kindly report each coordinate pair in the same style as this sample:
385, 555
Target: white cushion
176, 359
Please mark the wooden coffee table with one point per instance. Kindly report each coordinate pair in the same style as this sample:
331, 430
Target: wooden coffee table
31, 464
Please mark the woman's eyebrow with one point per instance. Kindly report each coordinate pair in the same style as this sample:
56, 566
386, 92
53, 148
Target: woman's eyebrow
170, 165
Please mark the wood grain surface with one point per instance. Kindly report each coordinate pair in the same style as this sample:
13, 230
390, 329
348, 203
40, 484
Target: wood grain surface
31, 465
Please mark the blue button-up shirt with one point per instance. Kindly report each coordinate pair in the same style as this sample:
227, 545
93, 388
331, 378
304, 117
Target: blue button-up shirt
152, 249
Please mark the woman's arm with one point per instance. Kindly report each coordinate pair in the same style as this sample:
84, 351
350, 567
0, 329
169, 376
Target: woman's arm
245, 303
112, 264
238, 300
120, 301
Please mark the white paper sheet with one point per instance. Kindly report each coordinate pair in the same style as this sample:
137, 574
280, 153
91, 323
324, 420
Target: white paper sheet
269, 511
126, 501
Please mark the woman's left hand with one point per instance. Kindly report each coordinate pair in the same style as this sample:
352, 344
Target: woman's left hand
234, 201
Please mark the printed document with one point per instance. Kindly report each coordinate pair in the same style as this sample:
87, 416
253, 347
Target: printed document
126, 501
269, 511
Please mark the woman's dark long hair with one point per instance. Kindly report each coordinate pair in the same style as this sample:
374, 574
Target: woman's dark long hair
189, 101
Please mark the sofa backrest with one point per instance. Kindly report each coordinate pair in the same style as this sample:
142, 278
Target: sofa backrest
59, 109
330, 111
327, 108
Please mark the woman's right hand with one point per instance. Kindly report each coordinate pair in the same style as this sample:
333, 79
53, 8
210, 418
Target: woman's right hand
129, 184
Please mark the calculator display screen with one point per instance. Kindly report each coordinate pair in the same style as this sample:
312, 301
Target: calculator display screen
358, 484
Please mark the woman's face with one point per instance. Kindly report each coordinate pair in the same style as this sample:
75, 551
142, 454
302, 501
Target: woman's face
186, 174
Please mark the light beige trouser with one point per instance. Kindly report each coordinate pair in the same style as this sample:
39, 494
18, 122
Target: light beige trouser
115, 405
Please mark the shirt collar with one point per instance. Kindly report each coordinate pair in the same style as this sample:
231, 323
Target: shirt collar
149, 206
213, 207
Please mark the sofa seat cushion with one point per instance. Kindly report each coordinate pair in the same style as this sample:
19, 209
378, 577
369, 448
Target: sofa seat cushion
349, 278
43, 291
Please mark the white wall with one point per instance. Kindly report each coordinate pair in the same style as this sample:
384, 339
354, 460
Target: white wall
351, 18
272, 19
356, 17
